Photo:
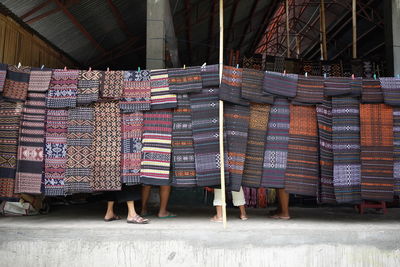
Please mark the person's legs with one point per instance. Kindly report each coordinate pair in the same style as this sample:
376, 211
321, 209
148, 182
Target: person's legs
145, 198
283, 205
110, 211
165, 191
239, 201
218, 206
133, 217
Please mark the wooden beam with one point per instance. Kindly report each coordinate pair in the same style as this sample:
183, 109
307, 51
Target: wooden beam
52, 11
118, 17
323, 31
287, 29
354, 27
188, 31
35, 9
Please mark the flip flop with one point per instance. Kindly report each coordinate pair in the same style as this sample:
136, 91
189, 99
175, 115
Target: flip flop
138, 220
245, 218
115, 218
280, 217
170, 215
215, 219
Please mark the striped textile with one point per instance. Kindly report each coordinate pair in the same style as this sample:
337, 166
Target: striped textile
55, 157
310, 90
10, 115
253, 164
302, 171
107, 147
137, 91
371, 92
324, 117
161, 96
231, 85
80, 154
337, 86
111, 85
276, 146
88, 86
236, 122
210, 75
63, 89
131, 144
186, 80
391, 90
31, 144
3, 73
183, 164
16, 83
39, 80
377, 180
396, 149
346, 149
252, 87
356, 86
156, 151
280, 84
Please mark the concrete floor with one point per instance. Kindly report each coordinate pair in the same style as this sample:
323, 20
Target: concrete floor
76, 236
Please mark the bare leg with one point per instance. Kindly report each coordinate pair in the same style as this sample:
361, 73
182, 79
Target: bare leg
145, 198
243, 214
131, 210
283, 203
165, 190
217, 217
110, 210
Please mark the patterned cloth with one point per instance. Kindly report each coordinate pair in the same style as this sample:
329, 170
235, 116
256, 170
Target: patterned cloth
276, 147
335, 86
10, 115
156, 151
253, 164
39, 80
137, 91
31, 144
161, 96
391, 90
346, 149
377, 180
356, 86
371, 92
252, 87
279, 84
16, 84
302, 171
396, 149
55, 157
107, 147
210, 76
80, 154
231, 85
132, 130
88, 86
63, 89
3, 73
112, 84
310, 90
186, 80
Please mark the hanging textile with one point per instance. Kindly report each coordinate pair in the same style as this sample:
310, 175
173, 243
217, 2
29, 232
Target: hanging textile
356, 86
111, 85
107, 147
156, 150
252, 87
336, 70
337, 86
55, 156
132, 130
186, 80
279, 84
302, 171
346, 149
88, 86
396, 150
16, 84
137, 91
39, 80
183, 164
253, 164
377, 180
80, 154
63, 89
10, 115
161, 96
279, 64
371, 92
276, 147
310, 91
3, 73
210, 75
391, 90
230, 86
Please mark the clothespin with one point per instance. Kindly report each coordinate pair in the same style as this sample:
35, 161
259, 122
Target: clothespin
306, 74
284, 72
204, 64
19, 65
184, 66
324, 75
108, 69
398, 76
374, 76
138, 68
90, 68
237, 66
65, 67
352, 76
42, 67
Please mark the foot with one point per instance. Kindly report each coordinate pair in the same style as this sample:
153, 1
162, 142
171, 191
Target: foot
166, 215
280, 216
137, 220
216, 219
243, 217
110, 218
274, 212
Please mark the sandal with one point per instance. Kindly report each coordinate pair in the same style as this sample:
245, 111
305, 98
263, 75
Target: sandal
170, 215
243, 218
138, 220
280, 217
114, 218
216, 219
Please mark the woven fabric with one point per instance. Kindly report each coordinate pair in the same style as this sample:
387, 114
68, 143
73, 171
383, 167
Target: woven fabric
10, 116
107, 147
371, 92
183, 164
210, 76
156, 151
276, 146
39, 80
252, 87
253, 164
236, 122
279, 64
396, 150
31, 145
346, 149
356, 86
80, 154
161, 96
377, 180
112, 85
3, 73
16, 84
132, 130
55, 157
186, 80
336, 70
324, 117
310, 90
231, 85
63, 89
391, 90
88, 86
302, 171
279, 84
137, 91
335, 86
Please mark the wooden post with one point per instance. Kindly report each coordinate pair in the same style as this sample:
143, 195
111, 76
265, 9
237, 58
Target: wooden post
323, 31
287, 29
354, 29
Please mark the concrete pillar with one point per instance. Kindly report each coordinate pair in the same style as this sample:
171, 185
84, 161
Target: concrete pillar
392, 36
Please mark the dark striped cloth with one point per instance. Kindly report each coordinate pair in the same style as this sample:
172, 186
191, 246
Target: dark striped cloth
346, 149
88, 86
3, 73
156, 150
396, 149
186, 80
231, 85
280, 84
236, 124
161, 96
252, 87
356, 86
337, 86
276, 147
112, 85
210, 76
137, 91
377, 180
16, 84
63, 89
183, 163
302, 171
310, 91
253, 164
39, 80
391, 90
324, 117
371, 92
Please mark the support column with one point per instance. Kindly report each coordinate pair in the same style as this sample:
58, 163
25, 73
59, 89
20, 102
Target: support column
392, 36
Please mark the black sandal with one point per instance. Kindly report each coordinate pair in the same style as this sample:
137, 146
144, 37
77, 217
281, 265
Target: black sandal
114, 218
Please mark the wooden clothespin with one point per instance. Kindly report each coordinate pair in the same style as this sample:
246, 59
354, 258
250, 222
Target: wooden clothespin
108, 69
184, 66
42, 67
284, 72
204, 64
306, 74
19, 65
90, 68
